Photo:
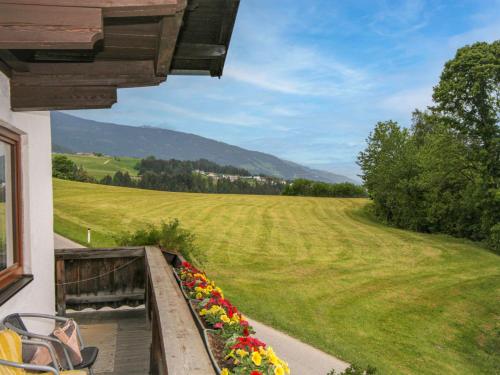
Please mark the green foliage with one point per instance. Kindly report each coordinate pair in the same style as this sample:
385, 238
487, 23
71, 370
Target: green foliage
181, 176
169, 236
442, 175
303, 187
355, 370
64, 168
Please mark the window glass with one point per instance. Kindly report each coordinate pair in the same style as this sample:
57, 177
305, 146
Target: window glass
7, 253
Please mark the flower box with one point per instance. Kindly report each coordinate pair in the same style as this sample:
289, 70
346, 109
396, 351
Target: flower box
200, 323
215, 348
225, 331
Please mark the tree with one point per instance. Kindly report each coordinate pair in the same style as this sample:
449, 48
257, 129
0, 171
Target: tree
468, 98
63, 167
442, 174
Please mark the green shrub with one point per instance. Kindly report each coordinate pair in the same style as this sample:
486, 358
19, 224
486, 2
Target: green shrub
169, 236
355, 370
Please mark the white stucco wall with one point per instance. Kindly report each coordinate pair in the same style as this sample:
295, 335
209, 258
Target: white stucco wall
38, 240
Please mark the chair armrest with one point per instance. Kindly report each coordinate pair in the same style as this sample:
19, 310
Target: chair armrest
29, 367
44, 316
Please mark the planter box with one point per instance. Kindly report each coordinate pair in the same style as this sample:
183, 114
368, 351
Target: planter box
206, 333
179, 282
197, 318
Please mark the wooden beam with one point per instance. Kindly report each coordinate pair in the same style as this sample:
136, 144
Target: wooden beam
177, 344
115, 252
49, 27
37, 98
60, 288
114, 8
105, 298
98, 73
12, 61
226, 30
199, 51
169, 32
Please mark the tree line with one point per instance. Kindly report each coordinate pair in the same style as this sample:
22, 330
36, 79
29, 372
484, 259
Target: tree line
442, 174
181, 176
310, 188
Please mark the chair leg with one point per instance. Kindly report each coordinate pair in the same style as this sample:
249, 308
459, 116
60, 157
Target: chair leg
91, 372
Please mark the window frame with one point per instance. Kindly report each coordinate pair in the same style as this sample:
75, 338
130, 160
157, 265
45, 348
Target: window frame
14, 272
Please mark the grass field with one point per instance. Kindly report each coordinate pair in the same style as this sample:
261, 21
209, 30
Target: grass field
323, 271
100, 166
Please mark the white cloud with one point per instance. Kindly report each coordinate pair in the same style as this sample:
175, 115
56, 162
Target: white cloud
272, 60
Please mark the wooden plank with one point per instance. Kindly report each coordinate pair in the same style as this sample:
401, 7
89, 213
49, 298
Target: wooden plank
169, 32
104, 298
49, 27
115, 8
226, 30
98, 73
37, 98
199, 51
119, 252
180, 343
12, 61
60, 288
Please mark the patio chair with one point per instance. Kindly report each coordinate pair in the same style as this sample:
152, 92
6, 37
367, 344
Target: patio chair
89, 354
11, 357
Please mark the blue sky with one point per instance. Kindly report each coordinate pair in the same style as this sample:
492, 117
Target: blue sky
308, 80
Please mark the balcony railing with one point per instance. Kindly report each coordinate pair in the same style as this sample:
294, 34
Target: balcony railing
97, 278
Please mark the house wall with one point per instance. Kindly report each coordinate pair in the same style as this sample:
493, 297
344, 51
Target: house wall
38, 239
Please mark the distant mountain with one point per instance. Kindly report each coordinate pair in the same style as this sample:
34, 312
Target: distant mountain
82, 135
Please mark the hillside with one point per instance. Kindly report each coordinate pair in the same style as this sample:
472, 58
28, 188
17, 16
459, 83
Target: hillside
81, 135
100, 166
323, 271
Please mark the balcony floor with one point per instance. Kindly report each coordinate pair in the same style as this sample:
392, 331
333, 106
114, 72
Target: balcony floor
123, 339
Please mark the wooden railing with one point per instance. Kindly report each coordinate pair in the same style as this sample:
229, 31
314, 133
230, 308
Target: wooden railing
133, 276
97, 278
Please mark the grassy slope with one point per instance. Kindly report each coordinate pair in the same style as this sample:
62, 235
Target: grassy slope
322, 271
100, 166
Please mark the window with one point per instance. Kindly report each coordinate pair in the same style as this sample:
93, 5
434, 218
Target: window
10, 205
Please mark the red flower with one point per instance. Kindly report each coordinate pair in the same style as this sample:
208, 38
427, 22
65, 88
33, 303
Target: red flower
218, 325
256, 373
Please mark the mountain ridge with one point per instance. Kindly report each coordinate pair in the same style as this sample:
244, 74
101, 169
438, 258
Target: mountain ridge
81, 135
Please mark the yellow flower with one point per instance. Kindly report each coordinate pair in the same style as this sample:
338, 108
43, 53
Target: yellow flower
203, 312
256, 358
278, 370
209, 288
199, 296
214, 309
224, 371
285, 366
224, 318
242, 353
230, 355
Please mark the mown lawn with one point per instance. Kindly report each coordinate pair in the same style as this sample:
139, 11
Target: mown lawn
100, 166
323, 271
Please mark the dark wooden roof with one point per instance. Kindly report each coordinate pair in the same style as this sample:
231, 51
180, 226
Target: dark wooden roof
73, 54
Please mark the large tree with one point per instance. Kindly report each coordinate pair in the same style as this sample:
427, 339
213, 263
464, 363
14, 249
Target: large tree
442, 174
